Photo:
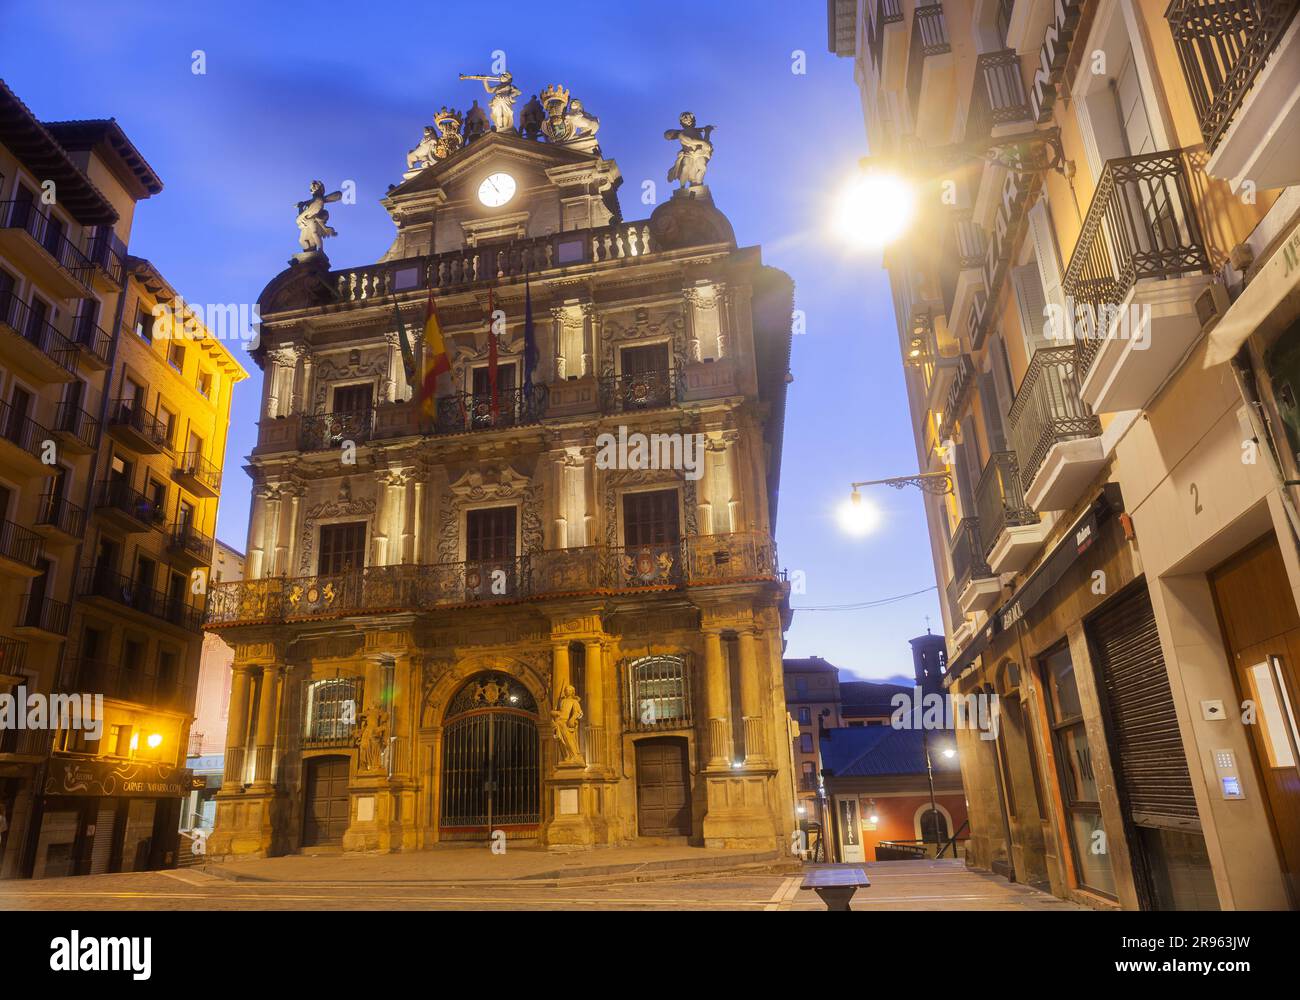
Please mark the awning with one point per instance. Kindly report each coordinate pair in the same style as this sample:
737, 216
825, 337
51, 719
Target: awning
1277, 281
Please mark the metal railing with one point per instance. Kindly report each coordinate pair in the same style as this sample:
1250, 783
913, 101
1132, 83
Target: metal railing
700, 560
48, 232
26, 742
20, 544
641, 391
1048, 410
117, 495
37, 331
122, 683
929, 38
69, 418
58, 512
999, 96
193, 464
1141, 225
333, 707
1000, 498
963, 380
44, 614
323, 431
1222, 45
968, 561
187, 538
22, 431
963, 249
13, 655
132, 414
106, 252
885, 12
476, 411
96, 581
89, 336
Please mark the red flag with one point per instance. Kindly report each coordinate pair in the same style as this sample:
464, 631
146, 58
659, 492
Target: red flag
492, 362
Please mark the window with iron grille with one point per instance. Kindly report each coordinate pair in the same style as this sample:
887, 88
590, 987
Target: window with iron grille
332, 711
659, 694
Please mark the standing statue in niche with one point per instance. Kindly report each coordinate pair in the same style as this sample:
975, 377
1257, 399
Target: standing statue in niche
502, 94
372, 741
697, 149
564, 720
313, 219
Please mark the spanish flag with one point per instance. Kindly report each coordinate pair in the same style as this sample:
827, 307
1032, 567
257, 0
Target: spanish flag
436, 360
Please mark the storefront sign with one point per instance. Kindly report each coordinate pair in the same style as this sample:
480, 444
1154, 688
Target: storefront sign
1052, 57
112, 778
997, 255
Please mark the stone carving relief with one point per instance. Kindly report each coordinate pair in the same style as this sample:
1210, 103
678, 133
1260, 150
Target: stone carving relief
328, 509
359, 365
479, 485
613, 480
620, 330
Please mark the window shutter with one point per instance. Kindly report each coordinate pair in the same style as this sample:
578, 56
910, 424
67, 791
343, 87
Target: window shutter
1047, 257
1032, 302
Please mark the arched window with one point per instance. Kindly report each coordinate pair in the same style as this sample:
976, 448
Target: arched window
333, 706
659, 696
933, 826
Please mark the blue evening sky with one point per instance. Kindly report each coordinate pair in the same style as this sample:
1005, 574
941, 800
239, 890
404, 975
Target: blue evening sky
340, 92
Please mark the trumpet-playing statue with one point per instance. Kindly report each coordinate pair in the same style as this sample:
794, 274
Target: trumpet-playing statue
693, 158
313, 219
502, 94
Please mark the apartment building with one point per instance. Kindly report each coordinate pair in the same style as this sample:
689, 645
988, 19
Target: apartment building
812, 694
111, 453
1097, 319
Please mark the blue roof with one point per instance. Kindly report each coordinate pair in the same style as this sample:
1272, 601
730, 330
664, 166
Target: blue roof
874, 751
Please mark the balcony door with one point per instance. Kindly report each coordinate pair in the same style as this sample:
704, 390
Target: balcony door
354, 400
20, 408
651, 536
342, 548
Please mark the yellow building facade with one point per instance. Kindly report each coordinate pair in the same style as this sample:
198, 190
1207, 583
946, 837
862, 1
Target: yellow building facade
1096, 327
490, 618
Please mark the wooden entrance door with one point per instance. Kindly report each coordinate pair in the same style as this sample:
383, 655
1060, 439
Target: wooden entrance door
663, 788
326, 806
1262, 630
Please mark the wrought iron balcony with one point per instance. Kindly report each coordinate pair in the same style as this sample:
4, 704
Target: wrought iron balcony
929, 38
13, 654
25, 215
118, 500
1141, 225
1000, 498
32, 327
99, 582
137, 429
1222, 45
59, 514
92, 340
20, 545
107, 253
469, 411
968, 561
697, 561
999, 97
42, 616
23, 432
121, 683
643, 391
324, 431
884, 12
26, 742
1048, 410
78, 429
201, 475
192, 543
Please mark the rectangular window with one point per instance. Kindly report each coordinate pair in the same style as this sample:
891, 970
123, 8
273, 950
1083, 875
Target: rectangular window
342, 548
204, 384
144, 325
353, 398
490, 534
176, 356
805, 716
650, 518
805, 743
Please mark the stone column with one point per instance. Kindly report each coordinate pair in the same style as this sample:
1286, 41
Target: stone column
290, 548
268, 717
303, 403
256, 536
751, 699
715, 699
559, 672
390, 384
236, 728
594, 702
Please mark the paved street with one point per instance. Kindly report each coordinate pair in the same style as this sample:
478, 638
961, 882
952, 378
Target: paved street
402, 882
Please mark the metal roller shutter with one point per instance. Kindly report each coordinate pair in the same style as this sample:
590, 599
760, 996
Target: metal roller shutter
1145, 742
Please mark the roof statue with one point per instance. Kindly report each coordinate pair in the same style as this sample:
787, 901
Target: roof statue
532, 116
477, 123
555, 99
582, 123
501, 102
313, 219
440, 141
693, 158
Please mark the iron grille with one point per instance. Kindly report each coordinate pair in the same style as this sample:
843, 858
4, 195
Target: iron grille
658, 694
333, 707
1000, 498
1048, 410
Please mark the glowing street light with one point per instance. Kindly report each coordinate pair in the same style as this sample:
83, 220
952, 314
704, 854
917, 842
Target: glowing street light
874, 209
857, 516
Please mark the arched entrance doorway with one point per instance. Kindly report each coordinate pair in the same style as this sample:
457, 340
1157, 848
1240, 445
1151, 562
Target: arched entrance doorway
491, 760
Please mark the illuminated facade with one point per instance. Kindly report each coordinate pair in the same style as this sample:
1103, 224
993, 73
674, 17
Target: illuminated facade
1099, 332
430, 598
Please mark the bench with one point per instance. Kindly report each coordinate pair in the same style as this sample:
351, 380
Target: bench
836, 884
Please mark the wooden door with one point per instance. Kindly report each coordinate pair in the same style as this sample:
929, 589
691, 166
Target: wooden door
1262, 631
326, 804
663, 788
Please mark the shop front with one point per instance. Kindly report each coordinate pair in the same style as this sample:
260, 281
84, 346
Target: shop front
100, 816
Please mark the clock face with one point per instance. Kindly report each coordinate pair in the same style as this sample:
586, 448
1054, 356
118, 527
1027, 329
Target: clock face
497, 189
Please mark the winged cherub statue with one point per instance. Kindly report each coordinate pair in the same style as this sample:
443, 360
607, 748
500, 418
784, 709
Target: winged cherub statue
313, 220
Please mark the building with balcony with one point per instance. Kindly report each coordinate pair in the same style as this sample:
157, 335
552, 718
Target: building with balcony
432, 594
1100, 352
104, 521
812, 695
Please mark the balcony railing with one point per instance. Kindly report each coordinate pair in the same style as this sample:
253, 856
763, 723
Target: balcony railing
194, 465
962, 382
464, 268
324, 431
25, 215
26, 742
642, 391
1141, 225
999, 97
22, 431
57, 512
469, 411
886, 12
1000, 499
1048, 410
87, 335
1222, 45
97, 581
130, 413
37, 331
13, 654
69, 418
188, 539
44, 614
116, 495
963, 250
107, 253
121, 683
968, 561
929, 38
19, 544
700, 560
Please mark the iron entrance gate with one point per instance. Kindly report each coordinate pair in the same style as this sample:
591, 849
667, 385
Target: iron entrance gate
491, 768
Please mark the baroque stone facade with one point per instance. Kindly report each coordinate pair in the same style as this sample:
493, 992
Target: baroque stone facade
456, 617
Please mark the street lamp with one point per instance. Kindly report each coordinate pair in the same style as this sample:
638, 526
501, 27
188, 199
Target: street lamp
874, 208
